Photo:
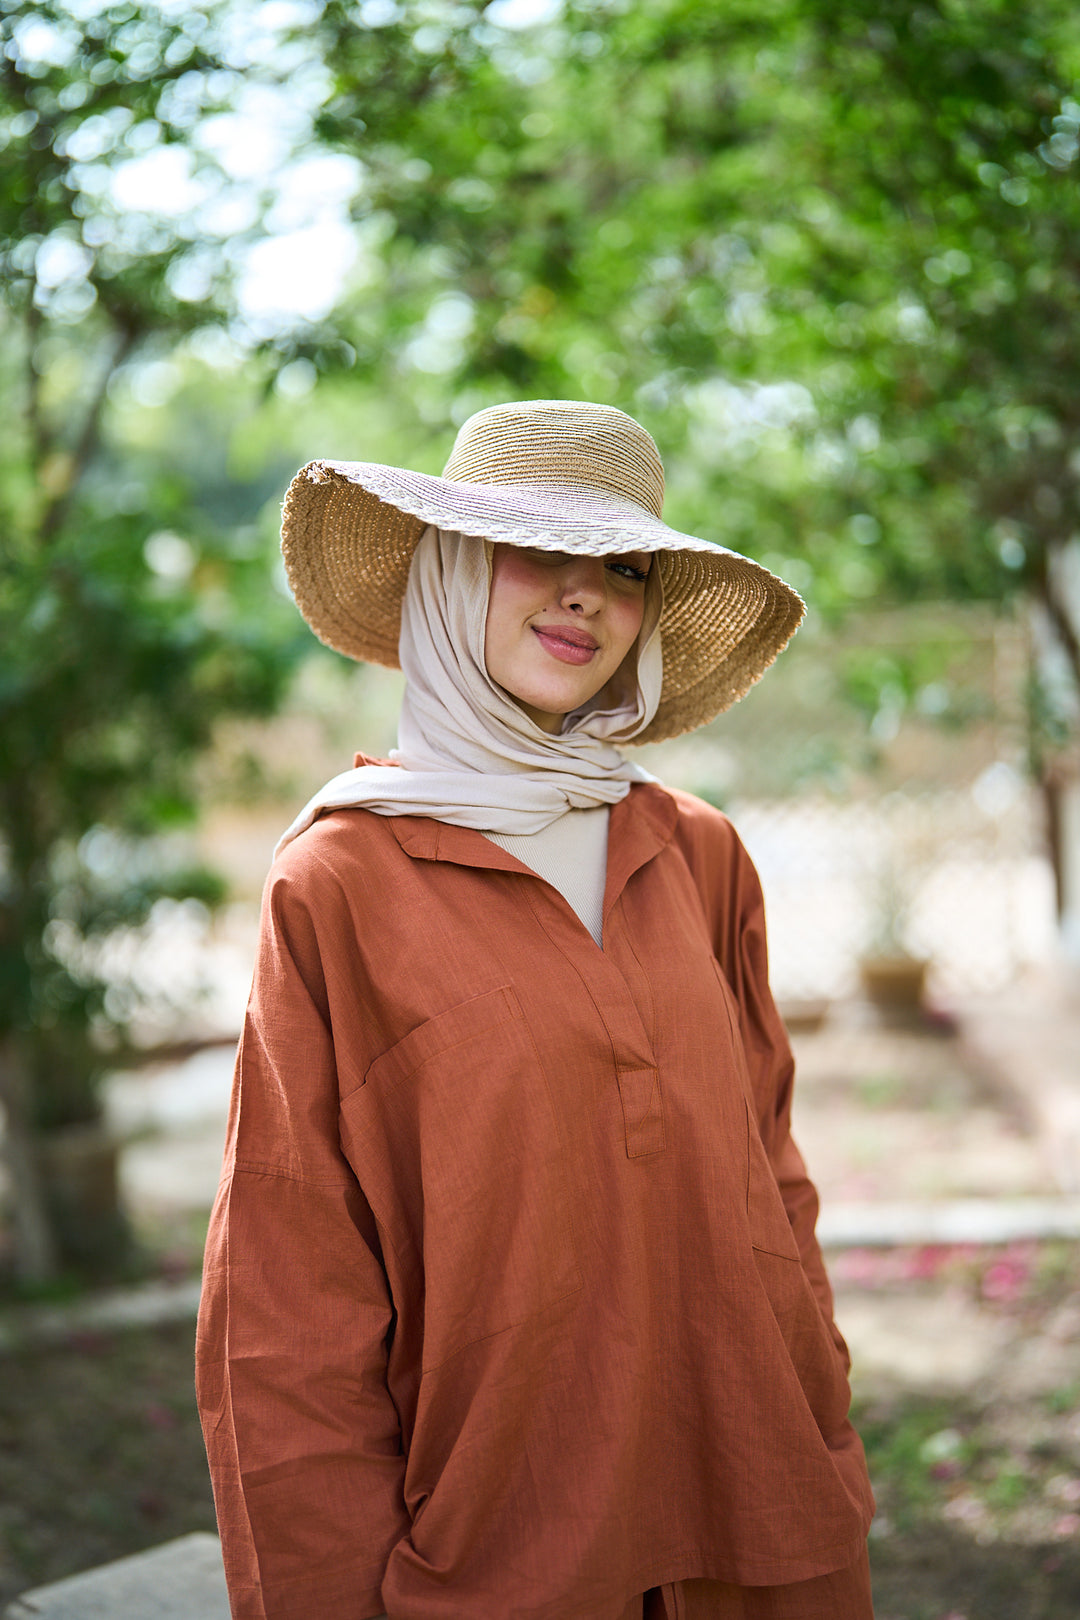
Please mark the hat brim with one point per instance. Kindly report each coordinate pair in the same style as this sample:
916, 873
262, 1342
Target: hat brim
349, 530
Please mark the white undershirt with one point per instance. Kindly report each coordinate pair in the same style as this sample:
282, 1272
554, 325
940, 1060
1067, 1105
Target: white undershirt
571, 855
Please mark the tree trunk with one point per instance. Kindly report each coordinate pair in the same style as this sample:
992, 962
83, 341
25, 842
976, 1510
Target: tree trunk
36, 1258
1059, 595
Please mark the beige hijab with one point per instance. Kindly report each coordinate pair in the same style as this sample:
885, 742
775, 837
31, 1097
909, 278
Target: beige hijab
467, 754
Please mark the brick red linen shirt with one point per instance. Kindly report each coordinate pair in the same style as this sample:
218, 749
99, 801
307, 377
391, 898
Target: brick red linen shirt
512, 1302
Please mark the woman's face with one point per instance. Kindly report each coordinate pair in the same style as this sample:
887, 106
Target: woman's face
559, 625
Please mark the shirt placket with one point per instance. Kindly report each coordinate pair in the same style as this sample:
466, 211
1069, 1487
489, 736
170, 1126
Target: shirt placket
622, 1004
620, 1010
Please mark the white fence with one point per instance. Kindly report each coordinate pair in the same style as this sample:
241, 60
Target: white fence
959, 877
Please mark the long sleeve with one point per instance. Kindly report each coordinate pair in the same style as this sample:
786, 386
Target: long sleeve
303, 1438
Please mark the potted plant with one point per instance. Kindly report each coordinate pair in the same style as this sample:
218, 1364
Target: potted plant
893, 978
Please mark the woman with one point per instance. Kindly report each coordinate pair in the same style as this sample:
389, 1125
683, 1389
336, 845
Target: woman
513, 1306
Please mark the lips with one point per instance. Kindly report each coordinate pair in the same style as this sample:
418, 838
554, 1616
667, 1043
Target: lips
569, 643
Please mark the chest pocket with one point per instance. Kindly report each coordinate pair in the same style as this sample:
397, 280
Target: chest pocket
455, 1140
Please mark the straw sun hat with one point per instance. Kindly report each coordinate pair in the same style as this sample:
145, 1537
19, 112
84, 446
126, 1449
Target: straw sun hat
556, 475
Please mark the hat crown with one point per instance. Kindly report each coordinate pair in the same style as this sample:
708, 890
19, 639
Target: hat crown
555, 441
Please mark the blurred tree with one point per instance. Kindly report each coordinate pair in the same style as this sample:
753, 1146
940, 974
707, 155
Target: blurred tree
826, 247
949, 220
130, 619
949, 160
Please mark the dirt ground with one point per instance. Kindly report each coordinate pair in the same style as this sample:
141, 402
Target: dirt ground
967, 1360
978, 1482
100, 1453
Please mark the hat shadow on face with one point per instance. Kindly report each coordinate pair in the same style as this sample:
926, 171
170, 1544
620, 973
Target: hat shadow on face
553, 475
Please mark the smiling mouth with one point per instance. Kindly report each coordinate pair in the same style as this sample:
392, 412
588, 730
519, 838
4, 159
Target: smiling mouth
567, 643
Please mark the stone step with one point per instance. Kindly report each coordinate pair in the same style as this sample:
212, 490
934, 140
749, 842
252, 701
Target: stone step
180, 1580
947, 1220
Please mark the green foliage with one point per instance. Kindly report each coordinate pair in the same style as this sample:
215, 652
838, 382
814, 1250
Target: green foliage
132, 618
825, 251
900, 1450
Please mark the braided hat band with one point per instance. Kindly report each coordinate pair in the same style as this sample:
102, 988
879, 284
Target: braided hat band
554, 475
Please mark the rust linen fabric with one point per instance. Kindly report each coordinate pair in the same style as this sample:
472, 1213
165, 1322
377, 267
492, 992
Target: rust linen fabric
512, 1302
844, 1594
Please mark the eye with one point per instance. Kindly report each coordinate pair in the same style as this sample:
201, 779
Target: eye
628, 570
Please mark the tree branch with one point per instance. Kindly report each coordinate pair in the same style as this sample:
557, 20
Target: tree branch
39, 435
1057, 610
90, 435
35, 1246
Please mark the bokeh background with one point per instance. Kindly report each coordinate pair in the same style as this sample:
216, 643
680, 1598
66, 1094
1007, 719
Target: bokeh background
827, 252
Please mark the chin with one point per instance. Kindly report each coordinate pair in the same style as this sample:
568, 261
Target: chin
560, 704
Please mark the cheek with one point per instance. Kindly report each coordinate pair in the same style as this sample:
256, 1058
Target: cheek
492, 638
502, 628
510, 595
498, 591
515, 575
626, 622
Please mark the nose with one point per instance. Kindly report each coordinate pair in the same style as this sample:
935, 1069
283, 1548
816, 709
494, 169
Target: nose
582, 585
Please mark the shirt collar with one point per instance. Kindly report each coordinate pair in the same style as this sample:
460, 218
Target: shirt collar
641, 825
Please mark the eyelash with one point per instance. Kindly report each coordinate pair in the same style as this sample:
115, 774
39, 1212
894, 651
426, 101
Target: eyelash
638, 575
